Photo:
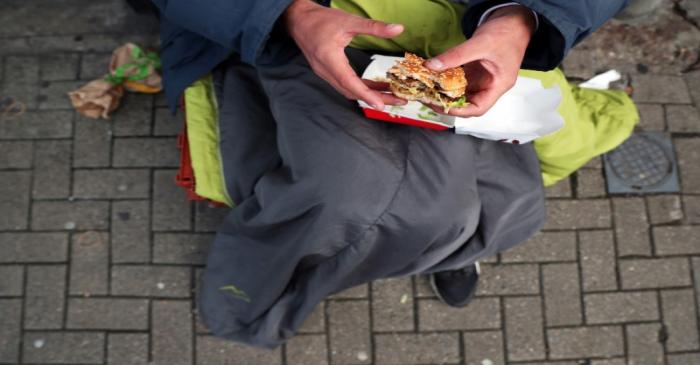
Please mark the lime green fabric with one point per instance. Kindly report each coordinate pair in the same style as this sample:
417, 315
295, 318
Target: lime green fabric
202, 117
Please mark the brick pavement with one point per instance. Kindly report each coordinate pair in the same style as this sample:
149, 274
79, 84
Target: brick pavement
100, 254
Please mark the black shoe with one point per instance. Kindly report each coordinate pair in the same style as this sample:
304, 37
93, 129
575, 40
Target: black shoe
456, 288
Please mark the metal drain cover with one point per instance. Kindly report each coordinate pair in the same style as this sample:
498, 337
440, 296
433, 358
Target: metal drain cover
645, 163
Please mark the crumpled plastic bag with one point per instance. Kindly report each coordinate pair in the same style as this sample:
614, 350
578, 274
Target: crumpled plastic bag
97, 98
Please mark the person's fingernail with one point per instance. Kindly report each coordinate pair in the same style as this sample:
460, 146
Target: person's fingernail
435, 64
394, 27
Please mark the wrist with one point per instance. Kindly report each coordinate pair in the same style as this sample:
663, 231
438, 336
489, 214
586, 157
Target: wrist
518, 16
294, 10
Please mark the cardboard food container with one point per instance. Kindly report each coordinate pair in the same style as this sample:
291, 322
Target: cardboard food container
522, 114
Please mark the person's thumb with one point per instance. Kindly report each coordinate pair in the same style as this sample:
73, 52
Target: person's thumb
454, 57
376, 28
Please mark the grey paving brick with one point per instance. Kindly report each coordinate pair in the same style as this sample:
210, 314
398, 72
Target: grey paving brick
585, 342
481, 313
89, 269
59, 66
111, 183
92, 143
60, 215
682, 118
107, 314
591, 183
598, 262
181, 248
171, 209
575, 214
651, 88
631, 227
349, 332
483, 348
392, 305
316, 321
167, 124
664, 209
33, 247
309, 349
417, 348
146, 152
10, 326
423, 289
680, 318
69, 43
677, 240
151, 281
651, 117
171, 332
127, 349
691, 204
617, 361
38, 124
11, 281
509, 279
562, 189
211, 350
692, 79
683, 359
525, 336
22, 69
544, 247
643, 345
562, 294
133, 118
695, 262
207, 218
15, 154
63, 347
52, 164
688, 154
621, 307
356, 292
94, 65
654, 273
44, 300
23, 92
14, 199
594, 163
131, 227
54, 94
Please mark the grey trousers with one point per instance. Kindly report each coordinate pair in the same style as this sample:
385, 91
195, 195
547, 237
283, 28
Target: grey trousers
327, 199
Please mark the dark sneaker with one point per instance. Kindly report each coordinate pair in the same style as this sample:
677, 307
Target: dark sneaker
456, 288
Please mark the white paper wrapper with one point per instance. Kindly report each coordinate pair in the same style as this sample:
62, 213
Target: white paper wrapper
524, 113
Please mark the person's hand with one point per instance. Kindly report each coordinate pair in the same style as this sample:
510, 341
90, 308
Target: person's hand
491, 58
323, 33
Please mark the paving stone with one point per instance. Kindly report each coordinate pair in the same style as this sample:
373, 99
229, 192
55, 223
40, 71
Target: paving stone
207, 218
92, 143
107, 314
171, 209
356, 292
643, 345
562, 294
483, 348
544, 247
695, 262
585, 342
576, 214
664, 209
127, 349
15, 154
683, 359
11, 281
651, 88
316, 321
59, 67
10, 327
171, 332
591, 183
621, 307
63, 347
52, 160
677, 240
70, 43
692, 79
111, 183
54, 94
305, 350
33, 247
654, 273
691, 203
44, 297
598, 262
423, 289
481, 313
509, 280
651, 117
680, 319
688, 154
392, 305
151, 281
80, 215
167, 124
131, 238
682, 118
14, 199
133, 118
181, 248
94, 65
631, 227
618, 361
38, 124
212, 350
146, 152
349, 332
89, 269
562, 189
21, 79
525, 336
410, 348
